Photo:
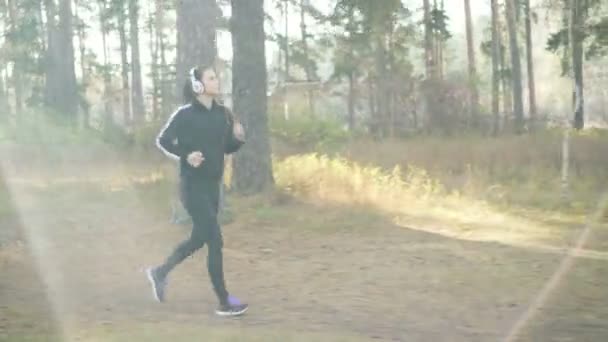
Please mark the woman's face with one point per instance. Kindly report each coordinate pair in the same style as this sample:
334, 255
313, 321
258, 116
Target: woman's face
211, 82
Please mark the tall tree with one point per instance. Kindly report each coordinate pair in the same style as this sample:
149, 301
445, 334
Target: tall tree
308, 68
164, 67
578, 31
515, 67
576, 37
441, 43
104, 25
286, 41
81, 33
136, 81
350, 44
17, 63
119, 11
428, 40
153, 46
4, 103
196, 37
253, 165
61, 88
495, 68
473, 92
505, 74
530, 64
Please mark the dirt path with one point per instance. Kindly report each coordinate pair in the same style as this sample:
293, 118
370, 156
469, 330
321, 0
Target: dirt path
352, 272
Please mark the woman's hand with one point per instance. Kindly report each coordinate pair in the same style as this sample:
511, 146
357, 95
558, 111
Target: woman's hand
195, 159
238, 131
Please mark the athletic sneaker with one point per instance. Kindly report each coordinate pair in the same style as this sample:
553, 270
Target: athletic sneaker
233, 308
158, 284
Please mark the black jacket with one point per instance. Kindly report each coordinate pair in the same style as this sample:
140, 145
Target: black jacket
194, 127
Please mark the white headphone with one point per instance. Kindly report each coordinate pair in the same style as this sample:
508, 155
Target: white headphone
197, 86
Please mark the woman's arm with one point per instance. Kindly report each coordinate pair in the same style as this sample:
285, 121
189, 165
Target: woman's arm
236, 135
167, 140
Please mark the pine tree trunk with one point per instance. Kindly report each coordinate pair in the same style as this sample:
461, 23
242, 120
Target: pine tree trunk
124, 65
286, 47
308, 67
473, 92
252, 165
518, 106
153, 46
351, 101
381, 89
61, 87
428, 40
351, 76
5, 113
165, 93
371, 101
17, 68
577, 36
495, 69
429, 95
139, 110
436, 47
4, 103
505, 76
81, 33
390, 82
107, 77
41, 17
530, 64
196, 22
440, 56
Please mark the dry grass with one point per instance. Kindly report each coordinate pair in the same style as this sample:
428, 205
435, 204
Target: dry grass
412, 197
513, 171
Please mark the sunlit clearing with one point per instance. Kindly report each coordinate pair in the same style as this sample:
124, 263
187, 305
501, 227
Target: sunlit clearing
55, 232
411, 197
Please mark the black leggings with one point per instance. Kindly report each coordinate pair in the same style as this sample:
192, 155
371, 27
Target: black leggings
201, 199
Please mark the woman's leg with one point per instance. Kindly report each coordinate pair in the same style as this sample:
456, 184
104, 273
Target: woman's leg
215, 262
157, 276
182, 251
193, 202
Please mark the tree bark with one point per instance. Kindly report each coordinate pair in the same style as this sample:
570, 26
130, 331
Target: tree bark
382, 91
308, 67
518, 106
17, 68
81, 33
196, 37
165, 93
252, 165
286, 47
577, 36
139, 110
440, 50
530, 65
5, 113
505, 77
495, 69
61, 87
351, 73
428, 41
351, 101
124, 64
107, 77
154, 47
473, 92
